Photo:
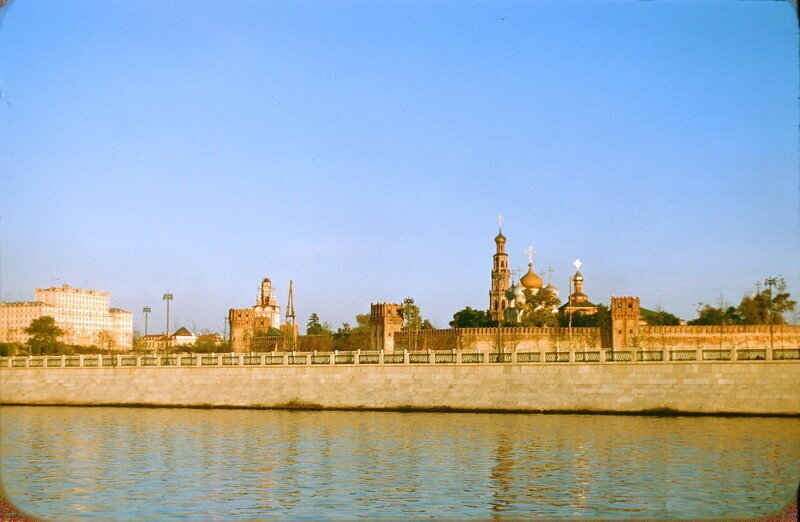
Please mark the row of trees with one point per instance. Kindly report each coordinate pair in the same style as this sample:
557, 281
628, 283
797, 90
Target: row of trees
763, 307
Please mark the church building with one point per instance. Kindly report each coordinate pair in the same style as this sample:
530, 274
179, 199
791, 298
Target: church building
578, 302
507, 299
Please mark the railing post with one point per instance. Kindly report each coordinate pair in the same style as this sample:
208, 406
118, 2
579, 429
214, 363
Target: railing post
380, 357
241, 359
199, 359
80, 361
63, 361
332, 357
405, 357
698, 354
356, 356
458, 357
431, 357
486, 356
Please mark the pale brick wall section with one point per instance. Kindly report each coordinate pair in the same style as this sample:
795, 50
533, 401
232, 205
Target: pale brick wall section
645, 337
523, 339
693, 337
765, 387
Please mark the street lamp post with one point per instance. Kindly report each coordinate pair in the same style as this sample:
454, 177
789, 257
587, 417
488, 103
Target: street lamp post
146, 310
167, 297
769, 283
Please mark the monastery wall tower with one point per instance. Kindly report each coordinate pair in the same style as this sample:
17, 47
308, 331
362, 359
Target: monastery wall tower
385, 320
624, 321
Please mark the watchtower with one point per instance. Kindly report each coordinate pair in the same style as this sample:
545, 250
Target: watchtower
624, 321
385, 320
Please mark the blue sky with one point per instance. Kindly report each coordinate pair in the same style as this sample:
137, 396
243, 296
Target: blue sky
364, 149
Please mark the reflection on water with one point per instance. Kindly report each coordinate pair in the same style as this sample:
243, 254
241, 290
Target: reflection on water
125, 463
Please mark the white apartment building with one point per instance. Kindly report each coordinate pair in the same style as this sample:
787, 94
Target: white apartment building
81, 313
15, 317
122, 327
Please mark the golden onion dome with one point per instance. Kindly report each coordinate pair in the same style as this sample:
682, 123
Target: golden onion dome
531, 279
500, 238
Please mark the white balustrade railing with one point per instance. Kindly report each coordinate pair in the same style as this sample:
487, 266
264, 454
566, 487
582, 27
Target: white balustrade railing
581, 356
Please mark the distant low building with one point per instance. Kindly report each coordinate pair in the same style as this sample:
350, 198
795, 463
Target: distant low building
160, 342
210, 339
153, 342
82, 314
183, 337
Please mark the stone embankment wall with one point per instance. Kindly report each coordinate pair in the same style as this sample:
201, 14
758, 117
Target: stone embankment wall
741, 387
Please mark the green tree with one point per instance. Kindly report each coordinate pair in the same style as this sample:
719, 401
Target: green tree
708, 315
601, 319
756, 309
362, 320
314, 327
659, 317
469, 318
8, 349
412, 319
538, 310
43, 335
105, 340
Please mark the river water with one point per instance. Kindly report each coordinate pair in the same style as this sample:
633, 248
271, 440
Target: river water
64, 463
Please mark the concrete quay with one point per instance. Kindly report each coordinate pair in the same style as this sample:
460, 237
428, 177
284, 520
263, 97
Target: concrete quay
461, 382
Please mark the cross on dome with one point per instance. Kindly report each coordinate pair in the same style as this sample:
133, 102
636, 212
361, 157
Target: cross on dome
500, 221
530, 251
577, 264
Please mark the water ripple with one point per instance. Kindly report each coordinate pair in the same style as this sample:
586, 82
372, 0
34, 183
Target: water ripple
125, 463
